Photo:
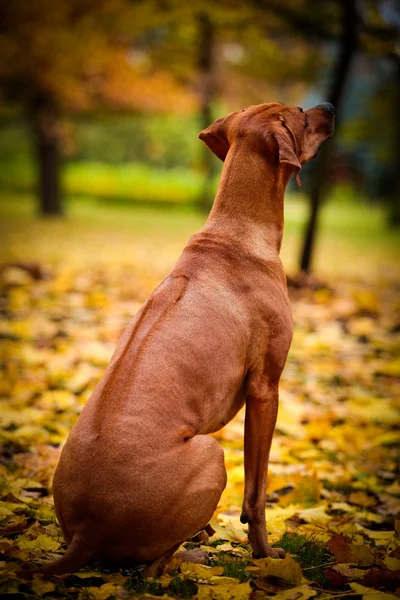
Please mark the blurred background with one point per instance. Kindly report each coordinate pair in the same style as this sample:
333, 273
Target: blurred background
103, 180
101, 102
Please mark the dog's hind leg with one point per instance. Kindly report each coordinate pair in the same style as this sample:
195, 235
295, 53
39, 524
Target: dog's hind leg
203, 470
200, 467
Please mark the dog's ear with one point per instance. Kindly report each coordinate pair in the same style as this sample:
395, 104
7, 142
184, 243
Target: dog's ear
216, 139
286, 143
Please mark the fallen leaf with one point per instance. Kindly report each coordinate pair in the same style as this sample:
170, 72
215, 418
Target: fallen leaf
89, 574
346, 552
371, 594
196, 571
42, 586
302, 592
225, 591
43, 543
348, 571
316, 515
107, 590
282, 568
393, 564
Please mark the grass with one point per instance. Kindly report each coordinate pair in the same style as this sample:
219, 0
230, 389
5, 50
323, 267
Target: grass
124, 182
178, 588
353, 238
138, 183
313, 557
233, 567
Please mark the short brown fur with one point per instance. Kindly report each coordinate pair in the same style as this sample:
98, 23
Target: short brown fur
138, 474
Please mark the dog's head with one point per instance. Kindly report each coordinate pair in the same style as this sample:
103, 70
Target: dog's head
287, 134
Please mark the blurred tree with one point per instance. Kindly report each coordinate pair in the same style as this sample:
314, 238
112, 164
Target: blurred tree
372, 136
76, 55
347, 46
347, 25
394, 193
207, 87
379, 127
222, 52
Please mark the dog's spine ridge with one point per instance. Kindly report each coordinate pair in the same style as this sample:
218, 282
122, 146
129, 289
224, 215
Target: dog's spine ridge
77, 555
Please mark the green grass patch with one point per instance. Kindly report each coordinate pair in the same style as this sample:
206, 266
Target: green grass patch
178, 588
125, 183
181, 588
312, 556
217, 543
141, 585
233, 567
134, 183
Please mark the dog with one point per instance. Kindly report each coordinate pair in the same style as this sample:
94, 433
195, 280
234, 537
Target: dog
138, 474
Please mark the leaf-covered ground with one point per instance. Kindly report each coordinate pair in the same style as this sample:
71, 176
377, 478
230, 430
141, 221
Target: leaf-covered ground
333, 498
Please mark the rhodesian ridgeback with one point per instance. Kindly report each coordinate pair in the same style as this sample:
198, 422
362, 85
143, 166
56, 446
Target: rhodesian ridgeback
138, 474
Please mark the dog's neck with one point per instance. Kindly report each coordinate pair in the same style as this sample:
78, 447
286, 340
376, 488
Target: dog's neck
249, 200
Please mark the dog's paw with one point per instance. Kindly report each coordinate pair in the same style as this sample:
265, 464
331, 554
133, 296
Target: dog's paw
277, 553
271, 552
195, 556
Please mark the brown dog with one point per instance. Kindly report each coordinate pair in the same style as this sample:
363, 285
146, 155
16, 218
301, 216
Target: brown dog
138, 474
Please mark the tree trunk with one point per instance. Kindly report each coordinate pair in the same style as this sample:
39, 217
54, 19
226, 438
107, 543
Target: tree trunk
207, 93
347, 48
394, 201
46, 138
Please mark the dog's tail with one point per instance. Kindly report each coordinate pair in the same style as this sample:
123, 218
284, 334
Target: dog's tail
77, 555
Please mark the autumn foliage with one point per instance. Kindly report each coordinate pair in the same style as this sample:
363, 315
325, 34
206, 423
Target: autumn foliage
333, 491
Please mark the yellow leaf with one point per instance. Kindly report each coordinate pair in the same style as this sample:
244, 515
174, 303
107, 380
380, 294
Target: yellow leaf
282, 568
44, 512
42, 586
362, 499
17, 485
371, 593
56, 400
42, 542
317, 515
343, 506
89, 574
226, 591
390, 368
306, 490
217, 580
366, 301
196, 571
381, 538
221, 532
103, 592
300, 592
393, 564
225, 547
376, 410
97, 299
164, 579
4, 512
237, 534
276, 518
